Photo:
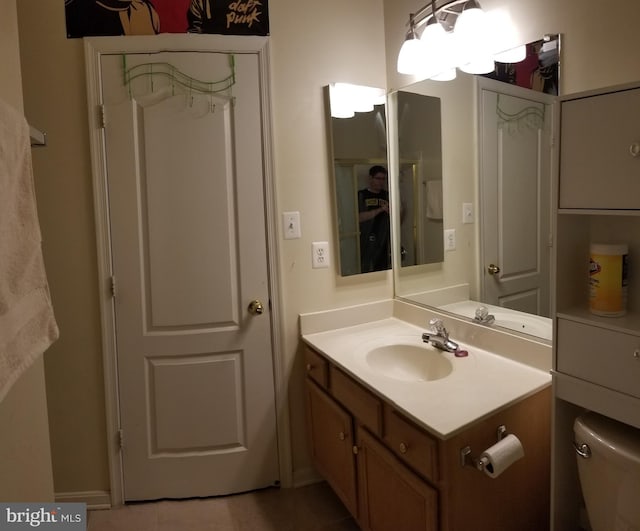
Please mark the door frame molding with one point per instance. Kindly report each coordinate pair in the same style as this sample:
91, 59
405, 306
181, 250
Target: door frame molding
94, 47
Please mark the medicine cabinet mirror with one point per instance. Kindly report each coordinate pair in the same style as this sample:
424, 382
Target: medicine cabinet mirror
359, 154
356, 124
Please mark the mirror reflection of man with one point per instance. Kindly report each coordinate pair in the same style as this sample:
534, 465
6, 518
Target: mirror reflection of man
373, 215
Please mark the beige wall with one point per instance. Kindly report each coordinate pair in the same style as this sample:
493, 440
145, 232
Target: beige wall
312, 44
54, 94
10, 77
25, 456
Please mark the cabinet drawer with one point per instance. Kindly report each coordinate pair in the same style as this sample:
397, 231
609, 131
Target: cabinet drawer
317, 367
362, 404
597, 168
601, 356
411, 444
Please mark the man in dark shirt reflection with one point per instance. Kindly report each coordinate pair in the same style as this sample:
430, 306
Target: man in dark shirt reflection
373, 215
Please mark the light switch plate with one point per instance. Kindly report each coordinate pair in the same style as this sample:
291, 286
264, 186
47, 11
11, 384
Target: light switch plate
291, 225
450, 240
320, 255
467, 212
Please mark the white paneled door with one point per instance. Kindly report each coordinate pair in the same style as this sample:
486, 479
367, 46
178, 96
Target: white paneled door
515, 184
184, 165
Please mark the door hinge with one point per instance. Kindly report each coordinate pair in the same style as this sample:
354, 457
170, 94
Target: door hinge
120, 439
355, 450
550, 240
102, 118
112, 279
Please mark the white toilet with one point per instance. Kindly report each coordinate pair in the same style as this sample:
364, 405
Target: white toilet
609, 469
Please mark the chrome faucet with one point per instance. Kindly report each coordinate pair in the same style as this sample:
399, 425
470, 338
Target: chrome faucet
483, 316
439, 337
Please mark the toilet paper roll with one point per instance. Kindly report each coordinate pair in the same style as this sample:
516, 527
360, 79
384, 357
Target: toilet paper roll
502, 455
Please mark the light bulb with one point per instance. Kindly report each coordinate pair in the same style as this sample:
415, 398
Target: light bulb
471, 28
340, 101
515, 55
410, 55
474, 41
479, 65
447, 75
505, 40
439, 53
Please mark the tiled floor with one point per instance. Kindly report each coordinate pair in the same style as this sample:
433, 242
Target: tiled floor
311, 508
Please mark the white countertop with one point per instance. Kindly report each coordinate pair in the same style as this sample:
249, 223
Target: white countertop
478, 386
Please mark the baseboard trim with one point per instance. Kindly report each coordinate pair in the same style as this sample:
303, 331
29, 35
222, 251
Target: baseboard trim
95, 499
305, 476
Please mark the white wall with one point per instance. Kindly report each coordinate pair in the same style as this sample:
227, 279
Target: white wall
25, 456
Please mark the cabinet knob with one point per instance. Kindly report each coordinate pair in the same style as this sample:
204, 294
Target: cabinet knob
634, 149
403, 448
342, 436
309, 367
636, 354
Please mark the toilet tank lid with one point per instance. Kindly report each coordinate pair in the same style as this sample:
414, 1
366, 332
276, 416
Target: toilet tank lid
613, 437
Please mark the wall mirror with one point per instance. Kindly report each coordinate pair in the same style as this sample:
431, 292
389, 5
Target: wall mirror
496, 207
356, 124
419, 177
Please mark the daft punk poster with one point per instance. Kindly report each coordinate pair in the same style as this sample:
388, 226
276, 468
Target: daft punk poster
149, 17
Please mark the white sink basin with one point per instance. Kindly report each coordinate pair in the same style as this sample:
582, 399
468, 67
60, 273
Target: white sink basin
409, 362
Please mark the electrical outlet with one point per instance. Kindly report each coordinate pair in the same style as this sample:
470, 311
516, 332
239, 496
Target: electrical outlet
291, 225
450, 240
320, 255
467, 212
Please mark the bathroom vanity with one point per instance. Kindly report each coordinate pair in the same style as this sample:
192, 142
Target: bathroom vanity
396, 427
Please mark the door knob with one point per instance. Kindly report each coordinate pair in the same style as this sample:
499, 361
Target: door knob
255, 307
493, 269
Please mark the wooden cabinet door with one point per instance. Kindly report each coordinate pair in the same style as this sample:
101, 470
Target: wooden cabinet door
392, 498
331, 439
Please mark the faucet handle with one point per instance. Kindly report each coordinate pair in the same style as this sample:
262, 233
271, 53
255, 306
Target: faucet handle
482, 312
438, 326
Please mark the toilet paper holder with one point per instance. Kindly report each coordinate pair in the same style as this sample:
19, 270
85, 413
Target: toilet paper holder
467, 459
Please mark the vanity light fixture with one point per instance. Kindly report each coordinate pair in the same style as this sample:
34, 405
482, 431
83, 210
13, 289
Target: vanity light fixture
347, 99
458, 34
411, 50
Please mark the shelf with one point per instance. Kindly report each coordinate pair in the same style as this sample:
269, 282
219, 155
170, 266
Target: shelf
598, 212
627, 324
596, 398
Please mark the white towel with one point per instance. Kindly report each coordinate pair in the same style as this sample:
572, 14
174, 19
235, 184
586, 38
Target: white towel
27, 323
434, 199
